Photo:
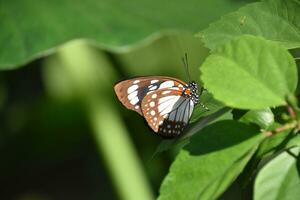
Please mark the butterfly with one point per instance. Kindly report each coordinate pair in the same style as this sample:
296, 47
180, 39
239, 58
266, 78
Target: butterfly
166, 103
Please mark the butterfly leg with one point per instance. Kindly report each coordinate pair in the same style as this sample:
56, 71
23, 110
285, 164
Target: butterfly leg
203, 106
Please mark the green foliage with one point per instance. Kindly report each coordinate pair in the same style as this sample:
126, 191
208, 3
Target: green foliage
211, 161
271, 145
249, 68
279, 179
108, 24
250, 133
259, 73
277, 20
211, 105
264, 118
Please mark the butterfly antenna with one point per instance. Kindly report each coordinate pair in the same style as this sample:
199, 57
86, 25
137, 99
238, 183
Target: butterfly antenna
186, 65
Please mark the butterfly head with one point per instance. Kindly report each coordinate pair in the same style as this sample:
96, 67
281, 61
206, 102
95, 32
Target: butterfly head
194, 95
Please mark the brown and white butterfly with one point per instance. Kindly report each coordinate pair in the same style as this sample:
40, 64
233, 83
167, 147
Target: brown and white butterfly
166, 103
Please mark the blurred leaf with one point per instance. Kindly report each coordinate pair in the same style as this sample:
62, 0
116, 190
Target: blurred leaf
264, 118
212, 160
2, 94
163, 56
48, 24
259, 73
277, 20
279, 179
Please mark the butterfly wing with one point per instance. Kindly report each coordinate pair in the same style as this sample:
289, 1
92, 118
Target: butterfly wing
166, 111
131, 92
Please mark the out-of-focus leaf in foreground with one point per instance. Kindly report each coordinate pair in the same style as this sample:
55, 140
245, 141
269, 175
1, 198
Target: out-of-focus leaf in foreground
32, 28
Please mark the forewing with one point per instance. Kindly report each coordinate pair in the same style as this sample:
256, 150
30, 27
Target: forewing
131, 92
167, 112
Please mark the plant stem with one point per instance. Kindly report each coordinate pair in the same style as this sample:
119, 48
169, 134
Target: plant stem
118, 151
280, 129
90, 78
291, 112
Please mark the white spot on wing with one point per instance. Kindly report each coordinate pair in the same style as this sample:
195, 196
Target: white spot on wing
164, 106
152, 104
154, 96
152, 112
191, 107
137, 107
132, 95
153, 88
164, 99
132, 88
154, 81
134, 100
166, 92
136, 81
166, 84
168, 105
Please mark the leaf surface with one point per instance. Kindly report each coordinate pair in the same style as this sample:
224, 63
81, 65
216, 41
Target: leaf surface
259, 73
211, 161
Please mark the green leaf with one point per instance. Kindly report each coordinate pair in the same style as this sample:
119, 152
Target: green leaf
212, 160
279, 179
222, 114
208, 101
264, 118
272, 144
277, 20
294, 141
32, 28
259, 73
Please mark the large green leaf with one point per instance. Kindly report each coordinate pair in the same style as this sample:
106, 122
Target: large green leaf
259, 73
212, 160
277, 20
33, 28
279, 179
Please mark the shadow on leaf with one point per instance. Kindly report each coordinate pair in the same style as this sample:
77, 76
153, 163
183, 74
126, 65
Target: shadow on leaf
220, 135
